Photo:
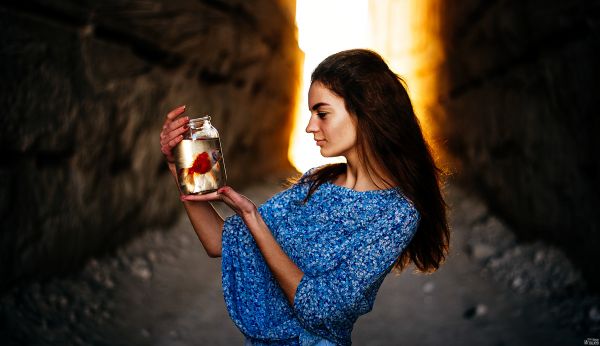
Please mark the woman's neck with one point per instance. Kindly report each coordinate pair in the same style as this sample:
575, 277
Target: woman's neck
357, 177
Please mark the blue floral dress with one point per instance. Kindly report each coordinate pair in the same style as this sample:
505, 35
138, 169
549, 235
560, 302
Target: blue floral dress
344, 241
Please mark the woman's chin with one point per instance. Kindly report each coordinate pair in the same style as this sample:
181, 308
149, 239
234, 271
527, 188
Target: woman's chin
326, 153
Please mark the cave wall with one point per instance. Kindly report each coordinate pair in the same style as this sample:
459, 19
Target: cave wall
85, 87
519, 86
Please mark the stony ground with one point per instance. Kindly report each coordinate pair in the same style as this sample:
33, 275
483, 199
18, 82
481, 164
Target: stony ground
162, 289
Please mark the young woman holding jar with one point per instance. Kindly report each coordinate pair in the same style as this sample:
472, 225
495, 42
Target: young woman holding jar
301, 268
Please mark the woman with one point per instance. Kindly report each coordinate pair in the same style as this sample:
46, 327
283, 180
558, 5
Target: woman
304, 266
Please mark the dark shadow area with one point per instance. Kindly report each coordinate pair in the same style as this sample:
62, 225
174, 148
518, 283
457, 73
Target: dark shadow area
518, 91
85, 90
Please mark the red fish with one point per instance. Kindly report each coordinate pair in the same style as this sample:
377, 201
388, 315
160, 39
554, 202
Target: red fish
201, 164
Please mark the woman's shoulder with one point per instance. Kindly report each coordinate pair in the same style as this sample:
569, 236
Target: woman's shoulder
306, 176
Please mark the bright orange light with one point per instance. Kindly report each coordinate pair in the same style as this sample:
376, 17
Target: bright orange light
324, 27
402, 35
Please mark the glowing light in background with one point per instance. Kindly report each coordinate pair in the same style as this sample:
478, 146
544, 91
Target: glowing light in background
324, 27
404, 32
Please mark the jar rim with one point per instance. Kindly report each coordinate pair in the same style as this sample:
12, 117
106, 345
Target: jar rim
203, 119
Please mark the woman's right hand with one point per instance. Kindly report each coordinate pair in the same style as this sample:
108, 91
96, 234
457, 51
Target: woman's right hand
172, 132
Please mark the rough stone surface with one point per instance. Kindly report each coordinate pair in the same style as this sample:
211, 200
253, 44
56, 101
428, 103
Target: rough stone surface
85, 87
518, 93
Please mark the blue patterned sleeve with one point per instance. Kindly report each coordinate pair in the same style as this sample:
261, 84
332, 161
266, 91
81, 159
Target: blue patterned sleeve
338, 297
274, 208
277, 205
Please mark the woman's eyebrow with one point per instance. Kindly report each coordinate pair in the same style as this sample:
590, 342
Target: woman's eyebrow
317, 105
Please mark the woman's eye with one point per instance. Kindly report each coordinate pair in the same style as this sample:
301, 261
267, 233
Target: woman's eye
321, 114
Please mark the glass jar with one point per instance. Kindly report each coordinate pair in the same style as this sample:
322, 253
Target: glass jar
199, 158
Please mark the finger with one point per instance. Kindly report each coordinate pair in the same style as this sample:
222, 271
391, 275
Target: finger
173, 125
167, 151
173, 142
168, 146
173, 134
230, 193
175, 112
213, 196
170, 117
240, 202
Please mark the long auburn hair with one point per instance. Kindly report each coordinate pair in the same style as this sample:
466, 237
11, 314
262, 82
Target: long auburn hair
390, 141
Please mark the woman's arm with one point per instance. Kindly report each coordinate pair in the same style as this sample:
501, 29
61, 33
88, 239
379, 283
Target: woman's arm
285, 271
207, 223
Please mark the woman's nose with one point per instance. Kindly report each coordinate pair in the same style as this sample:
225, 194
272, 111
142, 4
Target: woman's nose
312, 126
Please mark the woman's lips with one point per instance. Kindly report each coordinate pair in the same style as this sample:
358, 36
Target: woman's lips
320, 142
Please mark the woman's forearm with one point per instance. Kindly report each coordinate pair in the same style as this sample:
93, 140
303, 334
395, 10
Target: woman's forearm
285, 271
207, 223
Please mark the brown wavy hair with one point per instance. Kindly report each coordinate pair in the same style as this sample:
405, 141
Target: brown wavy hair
390, 144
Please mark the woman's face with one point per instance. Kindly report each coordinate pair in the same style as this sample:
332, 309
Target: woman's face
332, 127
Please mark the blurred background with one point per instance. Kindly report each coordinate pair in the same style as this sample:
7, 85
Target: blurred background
92, 233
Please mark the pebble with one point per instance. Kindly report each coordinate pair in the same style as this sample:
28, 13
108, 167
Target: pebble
428, 287
475, 311
63, 302
174, 334
152, 257
108, 283
481, 310
141, 269
104, 279
482, 252
594, 314
517, 282
540, 256
72, 317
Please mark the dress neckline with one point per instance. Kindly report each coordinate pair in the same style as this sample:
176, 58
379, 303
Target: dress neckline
349, 190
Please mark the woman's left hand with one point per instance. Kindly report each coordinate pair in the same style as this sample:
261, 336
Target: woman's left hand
239, 203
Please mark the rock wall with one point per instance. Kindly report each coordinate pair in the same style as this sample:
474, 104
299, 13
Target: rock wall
519, 87
85, 87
